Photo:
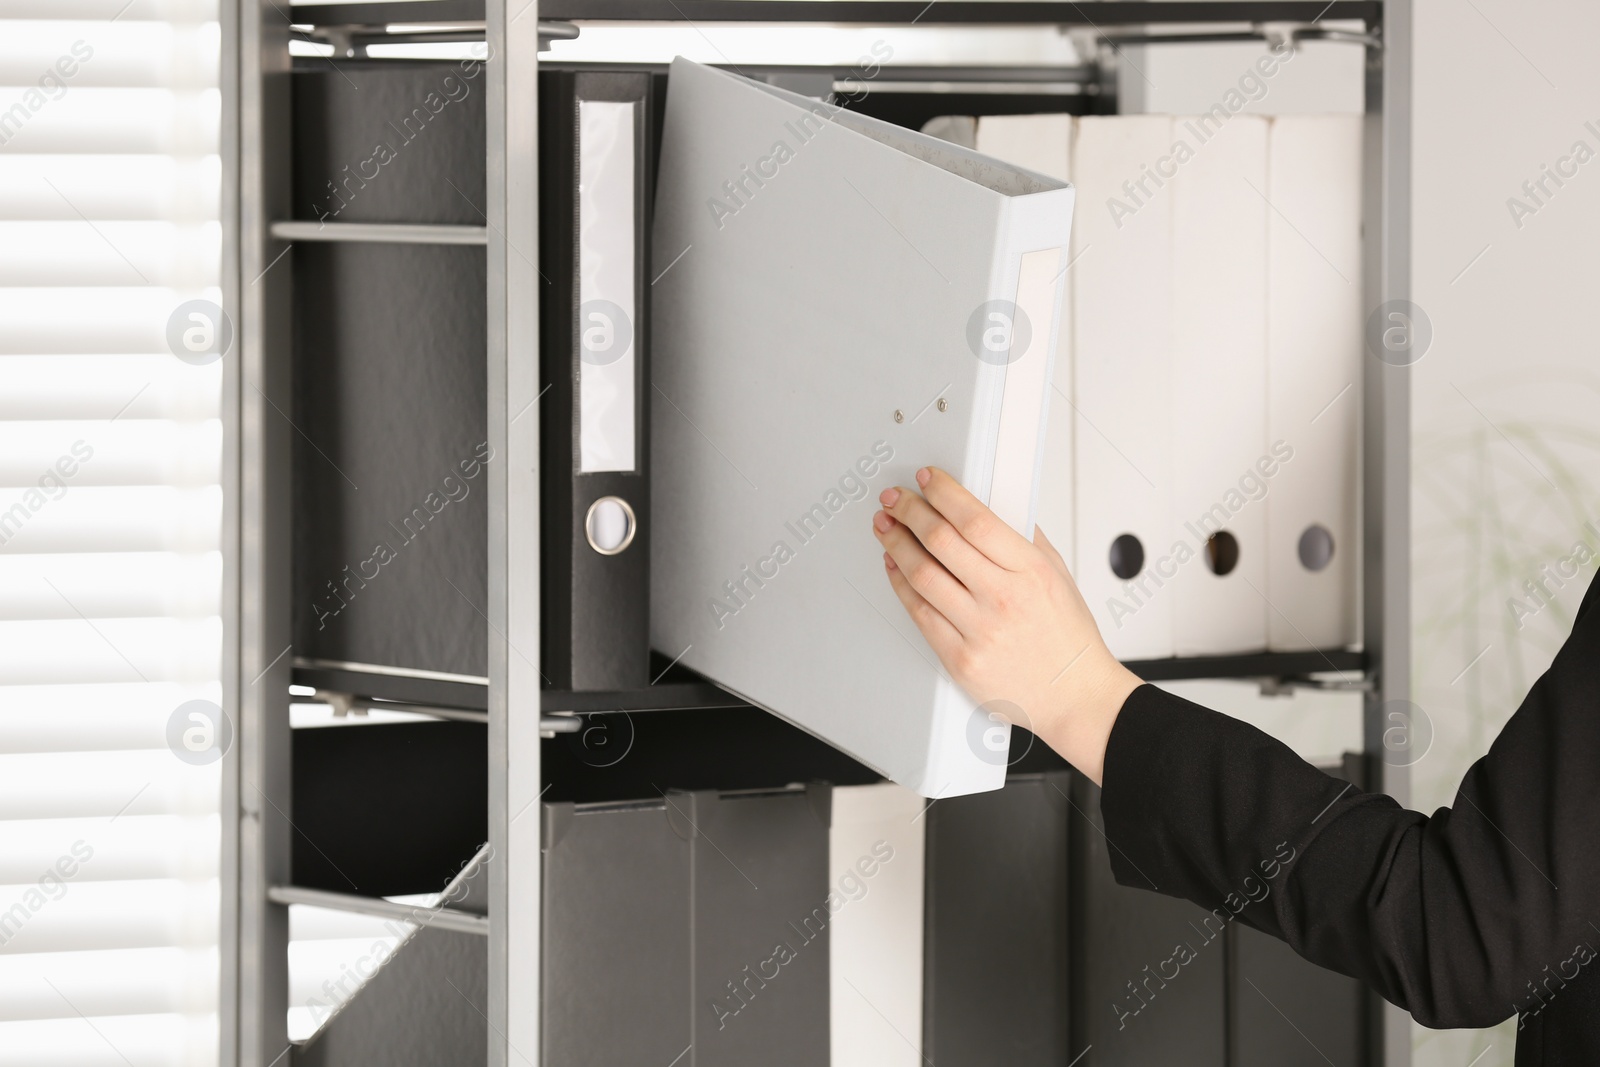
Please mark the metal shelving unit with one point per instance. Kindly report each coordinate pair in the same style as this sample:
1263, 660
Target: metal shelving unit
259, 665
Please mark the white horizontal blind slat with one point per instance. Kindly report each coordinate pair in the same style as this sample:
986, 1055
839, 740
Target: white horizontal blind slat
128, 452
172, 850
90, 320
89, 980
109, 786
99, 120
107, 387
111, 518
114, 1041
105, 585
105, 717
120, 11
57, 56
127, 187
70, 253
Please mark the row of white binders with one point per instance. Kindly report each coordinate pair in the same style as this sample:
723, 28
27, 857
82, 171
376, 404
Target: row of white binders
1201, 468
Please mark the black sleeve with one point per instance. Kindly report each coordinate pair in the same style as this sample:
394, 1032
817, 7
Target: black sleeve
1446, 916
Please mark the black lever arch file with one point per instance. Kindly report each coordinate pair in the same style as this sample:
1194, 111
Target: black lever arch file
595, 162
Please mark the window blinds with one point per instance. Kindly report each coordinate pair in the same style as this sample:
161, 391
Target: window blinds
110, 510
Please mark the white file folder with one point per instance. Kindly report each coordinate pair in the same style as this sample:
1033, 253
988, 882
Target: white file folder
1044, 143
838, 301
1122, 355
1041, 143
1220, 455
1314, 346
875, 866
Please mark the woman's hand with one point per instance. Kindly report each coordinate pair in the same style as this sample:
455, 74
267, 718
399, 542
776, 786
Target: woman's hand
1004, 616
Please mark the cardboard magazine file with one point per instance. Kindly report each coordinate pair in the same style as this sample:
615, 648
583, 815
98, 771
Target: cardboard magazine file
838, 301
1314, 354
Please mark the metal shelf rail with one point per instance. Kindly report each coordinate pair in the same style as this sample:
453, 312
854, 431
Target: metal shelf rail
257, 286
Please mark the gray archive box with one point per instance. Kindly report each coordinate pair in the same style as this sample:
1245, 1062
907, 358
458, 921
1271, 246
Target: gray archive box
761, 928
1287, 1011
1124, 935
616, 935
390, 141
996, 914
1242, 999
391, 458
423, 1008
662, 926
390, 410
1284, 1010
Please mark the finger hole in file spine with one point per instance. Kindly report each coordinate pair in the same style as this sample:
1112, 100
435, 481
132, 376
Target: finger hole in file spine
1316, 548
610, 525
1127, 557
1222, 552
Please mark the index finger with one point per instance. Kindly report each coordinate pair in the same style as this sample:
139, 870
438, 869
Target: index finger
982, 528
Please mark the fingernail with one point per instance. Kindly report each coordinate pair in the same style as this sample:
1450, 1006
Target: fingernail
922, 477
882, 522
889, 496
888, 562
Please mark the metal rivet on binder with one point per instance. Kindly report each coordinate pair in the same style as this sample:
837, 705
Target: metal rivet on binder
944, 405
899, 416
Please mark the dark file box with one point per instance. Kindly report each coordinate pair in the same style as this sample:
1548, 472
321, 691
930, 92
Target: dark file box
423, 1008
1285, 1011
390, 409
387, 809
390, 461
761, 921
389, 141
996, 914
689, 930
1288, 1012
616, 935
1122, 1005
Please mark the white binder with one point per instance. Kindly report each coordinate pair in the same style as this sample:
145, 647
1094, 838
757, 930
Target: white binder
1220, 458
1044, 143
876, 852
1041, 143
1314, 346
833, 302
1122, 354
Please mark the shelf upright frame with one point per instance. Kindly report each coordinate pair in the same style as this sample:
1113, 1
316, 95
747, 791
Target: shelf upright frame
515, 866
253, 991
1386, 456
